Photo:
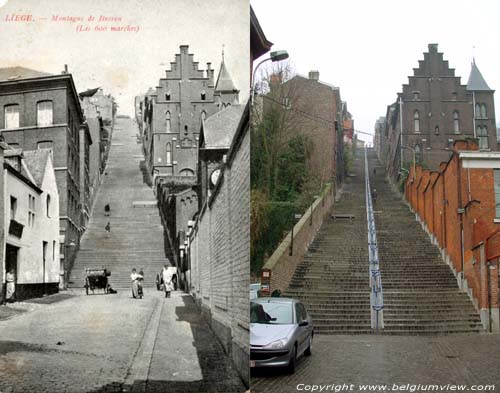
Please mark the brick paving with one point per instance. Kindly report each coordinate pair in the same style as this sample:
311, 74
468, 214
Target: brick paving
458, 359
91, 344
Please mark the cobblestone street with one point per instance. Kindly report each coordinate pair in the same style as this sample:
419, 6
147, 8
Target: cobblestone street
459, 359
112, 343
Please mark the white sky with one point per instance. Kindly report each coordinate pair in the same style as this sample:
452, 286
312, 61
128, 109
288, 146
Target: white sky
127, 64
369, 48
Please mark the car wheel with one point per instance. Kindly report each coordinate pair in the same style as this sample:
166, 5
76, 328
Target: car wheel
308, 351
293, 360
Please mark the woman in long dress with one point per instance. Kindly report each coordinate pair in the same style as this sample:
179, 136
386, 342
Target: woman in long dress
135, 277
10, 289
168, 285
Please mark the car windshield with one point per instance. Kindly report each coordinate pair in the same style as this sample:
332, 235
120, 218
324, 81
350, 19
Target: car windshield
271, 313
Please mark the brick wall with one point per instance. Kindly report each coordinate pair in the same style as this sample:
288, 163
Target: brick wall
219, 256
455, 203
281, 264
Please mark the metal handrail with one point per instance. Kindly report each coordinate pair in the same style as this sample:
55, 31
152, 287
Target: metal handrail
376, 293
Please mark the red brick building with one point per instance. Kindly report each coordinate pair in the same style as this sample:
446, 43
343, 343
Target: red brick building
459, 206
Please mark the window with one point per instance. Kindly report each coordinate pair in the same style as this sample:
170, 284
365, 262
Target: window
482, 135
416, 121
186, 172
13, 207
478, 111
12, 116
418, 154
203, 95
45, 145
496, 173
456, 123
203, 116
483, 111
169, 153
44, 251
185, 129
167, 122
31, 210
167, 96
48, 205
416, 95
54, 250
44, 113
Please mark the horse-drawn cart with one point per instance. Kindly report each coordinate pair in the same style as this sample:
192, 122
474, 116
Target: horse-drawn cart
97, 279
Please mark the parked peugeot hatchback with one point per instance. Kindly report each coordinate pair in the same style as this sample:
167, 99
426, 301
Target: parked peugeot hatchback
281, 331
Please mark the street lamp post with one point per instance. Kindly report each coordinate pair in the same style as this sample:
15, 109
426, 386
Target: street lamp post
295, 218
274, 57
414, 163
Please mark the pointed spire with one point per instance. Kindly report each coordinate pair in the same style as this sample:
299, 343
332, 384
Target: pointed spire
224, 80
476, 81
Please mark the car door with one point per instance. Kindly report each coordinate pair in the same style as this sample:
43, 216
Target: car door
301, 316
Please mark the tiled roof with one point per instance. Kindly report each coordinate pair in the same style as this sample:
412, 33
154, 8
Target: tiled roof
16, 73
224, 80
36, 161
88, 93
476, 81
219, 129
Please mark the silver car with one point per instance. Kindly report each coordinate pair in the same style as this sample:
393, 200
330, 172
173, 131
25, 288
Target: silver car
280, 331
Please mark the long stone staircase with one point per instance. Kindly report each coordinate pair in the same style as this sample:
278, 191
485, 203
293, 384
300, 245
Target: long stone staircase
420, 292
136, 236
421, 295
332, 279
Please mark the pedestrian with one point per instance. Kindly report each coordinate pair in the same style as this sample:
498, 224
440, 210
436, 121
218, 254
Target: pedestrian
10, 278
167, 280
374, 195
107, 209
108, 227
134, 277
374, 171
140, 279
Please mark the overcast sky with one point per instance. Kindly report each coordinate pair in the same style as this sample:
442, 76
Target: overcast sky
369, 48
126, 63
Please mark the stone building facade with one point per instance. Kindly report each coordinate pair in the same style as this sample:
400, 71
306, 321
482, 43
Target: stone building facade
38, 110
433, 110
31, 222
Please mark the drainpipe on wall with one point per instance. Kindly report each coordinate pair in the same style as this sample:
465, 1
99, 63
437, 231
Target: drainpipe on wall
461, 211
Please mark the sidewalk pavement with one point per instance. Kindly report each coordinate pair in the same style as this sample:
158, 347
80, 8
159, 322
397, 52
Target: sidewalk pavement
113, 343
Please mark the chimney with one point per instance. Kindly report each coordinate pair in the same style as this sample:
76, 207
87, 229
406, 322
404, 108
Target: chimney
211, 78
210, 74
314, 75
65, 69
275, 80
433, 48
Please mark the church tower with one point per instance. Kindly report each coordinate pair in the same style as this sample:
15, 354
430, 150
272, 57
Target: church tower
225, 92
